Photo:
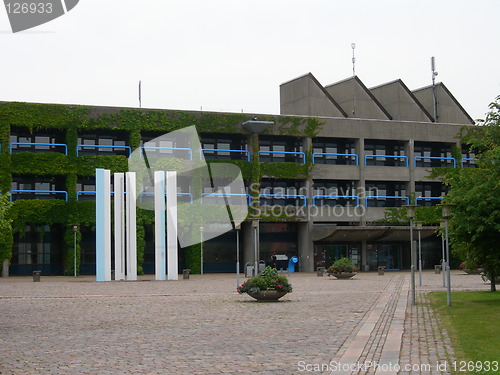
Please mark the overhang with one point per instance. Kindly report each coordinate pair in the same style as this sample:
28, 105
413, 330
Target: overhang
333, 233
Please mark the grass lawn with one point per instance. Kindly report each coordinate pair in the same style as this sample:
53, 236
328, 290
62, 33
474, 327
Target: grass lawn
473, 324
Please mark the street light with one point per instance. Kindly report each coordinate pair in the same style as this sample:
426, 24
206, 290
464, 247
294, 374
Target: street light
238, 227
446, 211
411, 214
75, 230
201, 249
442, 225
418, 224
255, 226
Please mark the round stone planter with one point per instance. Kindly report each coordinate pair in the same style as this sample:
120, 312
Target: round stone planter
344, 275
267, 295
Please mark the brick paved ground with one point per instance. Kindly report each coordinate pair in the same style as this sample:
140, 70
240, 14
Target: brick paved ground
65, 325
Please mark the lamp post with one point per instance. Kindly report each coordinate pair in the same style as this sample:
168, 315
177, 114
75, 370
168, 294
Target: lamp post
238, 227
75, 230
418, 224
411, 214
201, 249
446, 210
255, 226
442, 225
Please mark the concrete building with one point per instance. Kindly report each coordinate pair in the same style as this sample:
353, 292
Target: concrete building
327, 170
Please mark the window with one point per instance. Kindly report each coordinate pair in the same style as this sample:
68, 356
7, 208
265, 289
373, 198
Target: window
280, 149
339, 151
430, 193
433, 154
174, 147
85, 188
22, 140
288, 192
469, 157
385, 153
113, 144
39, 244
385, 194
237, 145
34, 187
334, 193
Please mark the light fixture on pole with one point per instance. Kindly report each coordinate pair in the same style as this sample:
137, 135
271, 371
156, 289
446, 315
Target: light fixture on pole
75, 230
410, 211
201, 249
238, 227
255, 226
446, 210
442, 225
419, 225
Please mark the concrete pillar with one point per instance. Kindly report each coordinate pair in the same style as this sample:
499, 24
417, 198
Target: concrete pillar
364, 255
119, 225
171, 208
306, 248
360, 150
409, 147
103, 225
131, 246
5, 268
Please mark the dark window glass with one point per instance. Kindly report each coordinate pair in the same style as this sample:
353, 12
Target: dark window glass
36, 141
339, 147
385, 194
280, 145
387, 153
433, 154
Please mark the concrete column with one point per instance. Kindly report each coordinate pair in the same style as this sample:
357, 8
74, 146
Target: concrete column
409, 147
5, 268
306, 249
160, 225
171, 208
364, 255
103, 225
131, 247
119, 212
360, 150
248, 243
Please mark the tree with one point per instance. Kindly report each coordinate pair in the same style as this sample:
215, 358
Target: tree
6, 240
475, 196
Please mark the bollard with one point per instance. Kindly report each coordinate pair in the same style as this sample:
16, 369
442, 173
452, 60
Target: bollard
185, 273
36, 276
381, 270
437, 269
320, 271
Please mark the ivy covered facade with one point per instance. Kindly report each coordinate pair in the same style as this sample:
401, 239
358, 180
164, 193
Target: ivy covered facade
320, 184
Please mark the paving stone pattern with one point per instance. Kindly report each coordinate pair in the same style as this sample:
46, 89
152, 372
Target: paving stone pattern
65, 325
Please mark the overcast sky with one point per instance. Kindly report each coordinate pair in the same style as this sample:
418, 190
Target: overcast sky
232, 55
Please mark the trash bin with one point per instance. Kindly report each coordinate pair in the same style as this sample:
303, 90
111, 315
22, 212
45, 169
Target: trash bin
381, 270
262, 266
320, 271
185, 273
36, 276
437, 269
248, 270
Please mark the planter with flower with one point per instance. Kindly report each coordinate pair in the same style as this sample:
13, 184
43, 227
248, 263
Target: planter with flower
469, 268
266, 286
342, 269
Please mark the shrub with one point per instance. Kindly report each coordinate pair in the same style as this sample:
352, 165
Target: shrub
342, 265
266, 280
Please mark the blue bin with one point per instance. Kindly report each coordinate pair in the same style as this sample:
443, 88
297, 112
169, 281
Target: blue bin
291, 263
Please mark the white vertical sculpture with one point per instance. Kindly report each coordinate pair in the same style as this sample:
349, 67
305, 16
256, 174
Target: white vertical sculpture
160, 246
119, 212
131, 245
103, 225
171, 210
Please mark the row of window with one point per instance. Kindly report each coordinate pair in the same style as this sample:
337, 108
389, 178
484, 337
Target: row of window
341, 151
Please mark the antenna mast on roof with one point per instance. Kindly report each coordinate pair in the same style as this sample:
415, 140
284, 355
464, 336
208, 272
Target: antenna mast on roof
140, 104
434, 96
353, 46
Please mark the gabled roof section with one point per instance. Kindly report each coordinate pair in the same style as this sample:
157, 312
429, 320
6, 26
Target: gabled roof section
355, 98
400, 102
305, 96
449, 109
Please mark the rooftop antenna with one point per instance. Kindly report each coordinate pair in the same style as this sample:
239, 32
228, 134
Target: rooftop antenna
353, 46
434, 96
140, 103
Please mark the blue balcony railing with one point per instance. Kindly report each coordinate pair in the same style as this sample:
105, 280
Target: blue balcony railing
434, 158
12, 192
178, 194
286, 196
40, 144
352, 156
350, 197
225, 150
184, 149
400, 157
469, 162
297, 153
384, 198
128, 148
219, 195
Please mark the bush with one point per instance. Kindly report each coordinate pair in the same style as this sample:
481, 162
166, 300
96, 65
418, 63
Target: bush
266, 280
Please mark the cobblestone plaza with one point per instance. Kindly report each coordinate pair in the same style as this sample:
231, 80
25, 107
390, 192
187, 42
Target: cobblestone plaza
65, 325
